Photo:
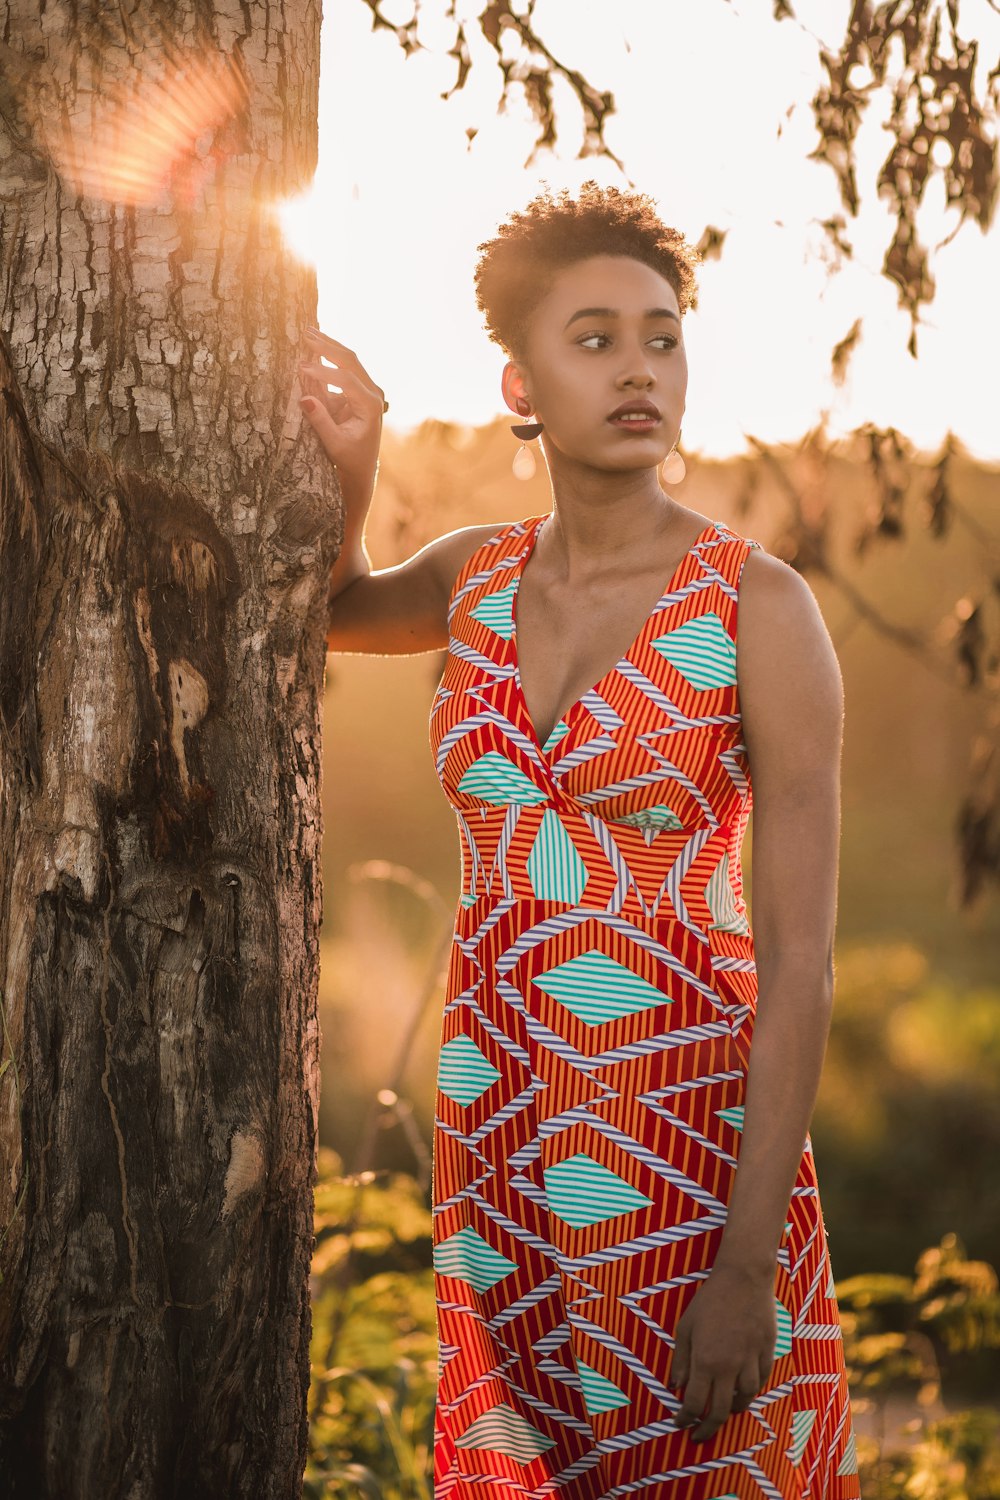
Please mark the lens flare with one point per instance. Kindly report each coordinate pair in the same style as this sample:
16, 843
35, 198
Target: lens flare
165, 127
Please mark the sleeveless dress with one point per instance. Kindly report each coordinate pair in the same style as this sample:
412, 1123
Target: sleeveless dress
595, 1044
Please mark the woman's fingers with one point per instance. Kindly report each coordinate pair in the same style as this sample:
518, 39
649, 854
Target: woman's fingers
348, 425
338, 407
748, 1386
333, 349
353, 397
695, 1400
719, 1407
316, 377
323, 375
347, 421
334, 430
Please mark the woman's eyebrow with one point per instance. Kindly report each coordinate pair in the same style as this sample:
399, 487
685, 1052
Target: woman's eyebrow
611, 312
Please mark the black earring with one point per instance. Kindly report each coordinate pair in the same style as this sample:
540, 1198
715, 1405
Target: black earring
524, 460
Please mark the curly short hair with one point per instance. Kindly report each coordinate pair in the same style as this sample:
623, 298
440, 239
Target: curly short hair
516, 269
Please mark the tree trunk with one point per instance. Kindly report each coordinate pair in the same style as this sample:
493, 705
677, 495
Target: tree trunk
165, 540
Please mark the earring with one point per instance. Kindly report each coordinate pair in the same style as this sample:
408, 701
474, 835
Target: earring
673, 468
524, 460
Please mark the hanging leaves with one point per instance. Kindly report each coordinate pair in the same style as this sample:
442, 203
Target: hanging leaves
938, 128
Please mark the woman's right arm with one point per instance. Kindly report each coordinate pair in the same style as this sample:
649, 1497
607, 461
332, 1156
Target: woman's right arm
402, 611
398, 611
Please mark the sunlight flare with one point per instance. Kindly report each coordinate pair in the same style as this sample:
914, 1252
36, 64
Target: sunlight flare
165, 126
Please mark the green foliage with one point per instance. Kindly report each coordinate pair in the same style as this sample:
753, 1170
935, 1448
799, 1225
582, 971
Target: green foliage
935, 1332
908, 1114
374, 1339
956, 1458
921, 1342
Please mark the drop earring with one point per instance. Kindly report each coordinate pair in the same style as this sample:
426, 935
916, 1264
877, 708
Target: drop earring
524, 460
673, 468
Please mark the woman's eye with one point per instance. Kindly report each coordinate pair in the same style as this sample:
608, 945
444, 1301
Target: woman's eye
666, 340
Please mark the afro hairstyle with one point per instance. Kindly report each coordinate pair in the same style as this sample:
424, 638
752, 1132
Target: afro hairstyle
516, 269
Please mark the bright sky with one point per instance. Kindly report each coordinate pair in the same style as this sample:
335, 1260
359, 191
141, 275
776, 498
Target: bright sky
400, 203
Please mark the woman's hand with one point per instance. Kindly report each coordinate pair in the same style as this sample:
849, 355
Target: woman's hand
724, 1348
348, 424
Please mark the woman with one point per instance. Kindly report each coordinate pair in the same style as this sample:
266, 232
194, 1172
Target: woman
620, 1309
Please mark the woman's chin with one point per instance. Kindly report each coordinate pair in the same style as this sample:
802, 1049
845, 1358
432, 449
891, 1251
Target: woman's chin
635, 460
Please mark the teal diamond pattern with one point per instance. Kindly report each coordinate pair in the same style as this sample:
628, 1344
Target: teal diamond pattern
493, 778
496, 611
468, 1257
463, 1072
702, 650
849, 1463
784, 1318
599, 1393
802, 1425
597, 989
555, 869
503, 1430
582, 1192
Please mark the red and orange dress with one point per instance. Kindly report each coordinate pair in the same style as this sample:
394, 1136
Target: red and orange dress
595, 1047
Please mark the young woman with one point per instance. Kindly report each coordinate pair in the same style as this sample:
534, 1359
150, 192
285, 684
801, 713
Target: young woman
633, 1278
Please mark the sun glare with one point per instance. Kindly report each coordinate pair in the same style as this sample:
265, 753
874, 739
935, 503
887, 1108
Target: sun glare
301, 224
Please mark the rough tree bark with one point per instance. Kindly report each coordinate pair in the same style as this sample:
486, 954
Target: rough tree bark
164, 544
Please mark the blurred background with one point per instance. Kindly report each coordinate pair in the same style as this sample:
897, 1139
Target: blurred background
877, 476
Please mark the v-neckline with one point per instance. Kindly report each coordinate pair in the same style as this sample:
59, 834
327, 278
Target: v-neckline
563, 718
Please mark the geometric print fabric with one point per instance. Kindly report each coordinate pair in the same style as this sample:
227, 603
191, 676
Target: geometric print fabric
595, 1042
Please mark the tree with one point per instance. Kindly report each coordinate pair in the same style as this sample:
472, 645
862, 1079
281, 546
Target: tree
164, 543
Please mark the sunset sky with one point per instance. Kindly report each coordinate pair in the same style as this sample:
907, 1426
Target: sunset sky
400, 203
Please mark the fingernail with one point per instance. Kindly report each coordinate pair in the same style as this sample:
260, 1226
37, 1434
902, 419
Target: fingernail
307, 404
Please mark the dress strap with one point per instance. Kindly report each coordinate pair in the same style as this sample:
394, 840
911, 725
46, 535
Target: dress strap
498, 551
723, 560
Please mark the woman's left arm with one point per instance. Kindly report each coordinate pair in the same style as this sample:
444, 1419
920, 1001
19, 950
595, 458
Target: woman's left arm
791, 700
792, 704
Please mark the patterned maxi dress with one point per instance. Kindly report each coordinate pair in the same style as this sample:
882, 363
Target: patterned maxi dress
594, 1054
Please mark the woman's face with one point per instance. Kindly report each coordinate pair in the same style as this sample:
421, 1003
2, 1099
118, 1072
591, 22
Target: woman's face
607, 332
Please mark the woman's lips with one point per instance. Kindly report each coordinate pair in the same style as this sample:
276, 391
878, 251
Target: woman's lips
632, 424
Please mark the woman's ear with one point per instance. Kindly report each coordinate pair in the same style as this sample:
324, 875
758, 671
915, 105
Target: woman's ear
514, 391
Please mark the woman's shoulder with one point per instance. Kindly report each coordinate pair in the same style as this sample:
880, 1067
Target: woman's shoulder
774, 597
790, 682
